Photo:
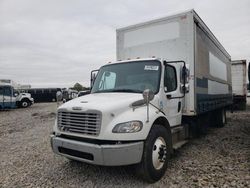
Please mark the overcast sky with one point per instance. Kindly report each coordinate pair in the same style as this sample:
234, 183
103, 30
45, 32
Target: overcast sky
56, 43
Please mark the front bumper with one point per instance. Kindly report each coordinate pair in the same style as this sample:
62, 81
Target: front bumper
106, 155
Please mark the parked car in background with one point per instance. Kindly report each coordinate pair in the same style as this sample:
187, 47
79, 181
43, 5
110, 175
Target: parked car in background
82, 93
69, 94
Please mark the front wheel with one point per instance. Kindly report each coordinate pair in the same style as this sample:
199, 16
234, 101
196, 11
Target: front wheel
156, 155
25, 103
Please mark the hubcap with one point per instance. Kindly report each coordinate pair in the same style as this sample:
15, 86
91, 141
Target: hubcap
25, 104
159, 153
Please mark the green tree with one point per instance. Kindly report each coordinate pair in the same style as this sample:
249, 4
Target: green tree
78, 87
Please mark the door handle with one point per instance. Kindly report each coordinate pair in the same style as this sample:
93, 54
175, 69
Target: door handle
169, 96
179, 106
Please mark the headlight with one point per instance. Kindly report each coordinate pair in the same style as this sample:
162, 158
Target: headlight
128, 127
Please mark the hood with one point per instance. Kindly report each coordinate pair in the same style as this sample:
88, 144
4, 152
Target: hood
104, 102
26, 94
22, 95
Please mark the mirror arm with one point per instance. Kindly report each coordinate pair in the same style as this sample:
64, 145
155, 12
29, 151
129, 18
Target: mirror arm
92, 80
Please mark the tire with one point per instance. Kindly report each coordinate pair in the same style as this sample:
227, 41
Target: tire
25, 103
220, 118
156, 155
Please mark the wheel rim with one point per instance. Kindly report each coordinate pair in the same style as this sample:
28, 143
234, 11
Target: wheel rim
24, 104
159, 152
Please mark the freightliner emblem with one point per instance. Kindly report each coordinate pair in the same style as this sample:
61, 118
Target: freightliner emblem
76, 108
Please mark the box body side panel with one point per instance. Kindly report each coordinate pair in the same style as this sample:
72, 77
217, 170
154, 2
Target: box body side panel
212, 74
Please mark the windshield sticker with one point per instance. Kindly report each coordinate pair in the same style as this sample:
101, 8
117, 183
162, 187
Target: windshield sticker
150, 67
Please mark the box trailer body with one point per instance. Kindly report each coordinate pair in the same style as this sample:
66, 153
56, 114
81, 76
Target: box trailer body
42, 94
172, 78
184, 37
239, 84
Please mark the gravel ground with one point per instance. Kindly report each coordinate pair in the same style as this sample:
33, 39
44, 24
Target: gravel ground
219, 159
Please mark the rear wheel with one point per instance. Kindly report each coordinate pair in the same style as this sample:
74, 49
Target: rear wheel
219, 118
156, 155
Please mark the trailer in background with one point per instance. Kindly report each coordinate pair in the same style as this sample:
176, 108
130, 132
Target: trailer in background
43, 94
239, 84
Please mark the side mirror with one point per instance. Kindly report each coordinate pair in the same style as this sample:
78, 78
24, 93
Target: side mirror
15, 94
93, 77
184, 75
148, 95
184, 79
249, 75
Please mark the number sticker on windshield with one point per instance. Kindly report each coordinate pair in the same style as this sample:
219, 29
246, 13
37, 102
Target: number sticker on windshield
151, 67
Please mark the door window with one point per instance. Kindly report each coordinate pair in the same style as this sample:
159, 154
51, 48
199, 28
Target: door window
170, 79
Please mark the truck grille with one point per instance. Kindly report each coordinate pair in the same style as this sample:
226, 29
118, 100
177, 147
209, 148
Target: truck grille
79, 122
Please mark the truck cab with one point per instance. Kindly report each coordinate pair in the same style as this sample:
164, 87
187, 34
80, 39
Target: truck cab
23, 100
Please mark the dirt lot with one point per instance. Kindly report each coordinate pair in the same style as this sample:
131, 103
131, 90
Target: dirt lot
220, 159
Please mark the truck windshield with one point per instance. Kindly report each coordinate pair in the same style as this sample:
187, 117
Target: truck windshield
132, 77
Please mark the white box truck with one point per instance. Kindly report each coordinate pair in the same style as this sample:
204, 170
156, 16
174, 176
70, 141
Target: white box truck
171, 80
239, 84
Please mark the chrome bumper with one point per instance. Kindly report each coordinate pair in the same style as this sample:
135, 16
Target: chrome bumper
106, 155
